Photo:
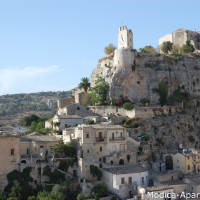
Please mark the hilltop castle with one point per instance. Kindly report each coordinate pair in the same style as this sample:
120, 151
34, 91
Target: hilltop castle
180, 36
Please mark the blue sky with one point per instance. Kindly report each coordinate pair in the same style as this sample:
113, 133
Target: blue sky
49, 45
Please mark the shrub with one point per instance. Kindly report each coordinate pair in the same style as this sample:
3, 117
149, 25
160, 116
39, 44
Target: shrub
128, 106
166, 46
191, 139
146, 138
145, 101
163, 92
95, 171
187, 48
89, 121
109, 49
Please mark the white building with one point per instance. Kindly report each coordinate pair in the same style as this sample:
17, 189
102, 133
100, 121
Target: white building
64, 121
124, 180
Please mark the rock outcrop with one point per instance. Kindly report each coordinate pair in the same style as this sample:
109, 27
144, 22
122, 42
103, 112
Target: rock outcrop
137, 75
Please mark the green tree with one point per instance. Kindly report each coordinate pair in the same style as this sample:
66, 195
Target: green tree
85, 99
109, 49
2, 196
99, 91
56, 196
187, 48
64, 149
166, 47
128, 106
84, 84
99, 191
163, 92
147, 49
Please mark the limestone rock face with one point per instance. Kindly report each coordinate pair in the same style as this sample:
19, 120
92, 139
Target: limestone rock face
137, 75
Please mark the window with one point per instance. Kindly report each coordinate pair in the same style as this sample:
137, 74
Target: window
142, 180
100, 159
87, 135
138, 82
172, 178
100, 148
122, 180
188, 158
179, 36
120, 134
188, 167
78, 108
130, 180
12, 152
100, 134
88, 151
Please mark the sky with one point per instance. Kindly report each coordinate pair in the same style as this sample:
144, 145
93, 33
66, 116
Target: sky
49, 45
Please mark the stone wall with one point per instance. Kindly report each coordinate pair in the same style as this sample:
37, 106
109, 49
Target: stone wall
65, 102
71, 109
3, 182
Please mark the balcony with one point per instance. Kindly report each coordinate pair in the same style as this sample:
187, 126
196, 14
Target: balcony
29, 156
100, 139
117, 138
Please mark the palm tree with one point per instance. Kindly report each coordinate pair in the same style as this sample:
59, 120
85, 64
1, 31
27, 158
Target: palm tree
84, 84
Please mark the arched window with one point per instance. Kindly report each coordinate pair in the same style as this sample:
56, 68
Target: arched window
23, 161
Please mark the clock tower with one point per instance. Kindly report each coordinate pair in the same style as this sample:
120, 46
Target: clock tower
125, 38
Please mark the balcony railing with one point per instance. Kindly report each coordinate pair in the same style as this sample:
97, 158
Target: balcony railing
117, 138
98, 139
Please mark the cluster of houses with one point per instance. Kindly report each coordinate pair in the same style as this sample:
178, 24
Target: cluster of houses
126, 173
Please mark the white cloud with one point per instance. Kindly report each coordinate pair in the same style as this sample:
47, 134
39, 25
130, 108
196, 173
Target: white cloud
17, 80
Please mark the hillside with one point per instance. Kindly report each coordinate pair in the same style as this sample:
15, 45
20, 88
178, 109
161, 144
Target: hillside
15, 106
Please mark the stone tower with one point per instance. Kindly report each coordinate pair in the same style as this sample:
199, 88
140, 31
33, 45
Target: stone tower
125, 38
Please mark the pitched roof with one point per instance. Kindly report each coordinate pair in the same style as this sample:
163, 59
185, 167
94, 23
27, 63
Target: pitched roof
125, 169
38, 137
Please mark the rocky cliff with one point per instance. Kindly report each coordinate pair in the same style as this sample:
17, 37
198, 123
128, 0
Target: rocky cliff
137, 75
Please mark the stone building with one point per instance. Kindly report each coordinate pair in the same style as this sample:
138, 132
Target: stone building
180, 36
65, 121
125, 180
36, 147
102, 143
9, 153
186, 162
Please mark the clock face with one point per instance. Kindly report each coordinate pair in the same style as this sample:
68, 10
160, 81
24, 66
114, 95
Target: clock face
122, 38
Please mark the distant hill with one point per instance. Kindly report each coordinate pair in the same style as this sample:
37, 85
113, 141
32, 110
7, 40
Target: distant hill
42, 101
